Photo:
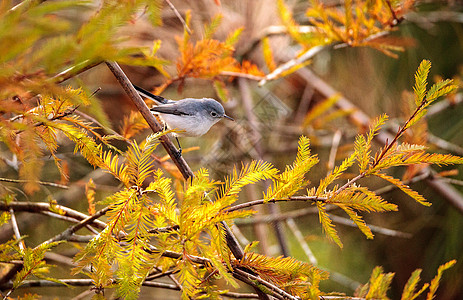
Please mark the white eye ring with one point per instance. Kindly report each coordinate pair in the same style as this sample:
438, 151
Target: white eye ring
214, 114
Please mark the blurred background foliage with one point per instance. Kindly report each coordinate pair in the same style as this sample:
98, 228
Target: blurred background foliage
269, 118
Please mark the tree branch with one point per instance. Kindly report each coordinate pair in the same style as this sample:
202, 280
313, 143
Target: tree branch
179, 16
61, 186
275, 291
37, 207
65, 235
150, 119
264, 201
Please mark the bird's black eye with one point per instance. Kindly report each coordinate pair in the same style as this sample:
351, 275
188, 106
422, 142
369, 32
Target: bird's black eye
214, 114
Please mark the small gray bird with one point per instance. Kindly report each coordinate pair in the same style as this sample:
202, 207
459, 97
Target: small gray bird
191, 117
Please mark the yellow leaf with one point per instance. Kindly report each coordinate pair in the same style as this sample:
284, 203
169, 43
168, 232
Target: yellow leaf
405, 188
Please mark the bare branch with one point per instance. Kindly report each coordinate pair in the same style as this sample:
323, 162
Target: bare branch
61, 186
275, 291
241, 75
334, 149
37, 207
300, 239
17, 234
374, 228
65, 235
264, 201
95, 121
150, 119
283, 216
292, 63
179, 16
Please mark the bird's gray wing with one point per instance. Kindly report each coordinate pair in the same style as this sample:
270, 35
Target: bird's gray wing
171, 109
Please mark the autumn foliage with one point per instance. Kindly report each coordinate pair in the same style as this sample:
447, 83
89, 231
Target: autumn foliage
153, 223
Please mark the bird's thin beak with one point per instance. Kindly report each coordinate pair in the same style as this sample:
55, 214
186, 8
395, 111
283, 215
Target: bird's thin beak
230, 118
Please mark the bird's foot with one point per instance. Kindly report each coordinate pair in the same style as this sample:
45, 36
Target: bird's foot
178, 153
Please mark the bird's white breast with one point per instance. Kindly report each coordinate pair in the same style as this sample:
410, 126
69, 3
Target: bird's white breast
188, 125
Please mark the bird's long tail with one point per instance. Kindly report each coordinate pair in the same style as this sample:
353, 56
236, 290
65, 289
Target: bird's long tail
151, 96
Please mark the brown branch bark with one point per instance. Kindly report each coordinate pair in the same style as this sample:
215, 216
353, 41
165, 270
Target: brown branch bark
150, 119
38, 207
253, 280
65, 235
89, 283
264, 201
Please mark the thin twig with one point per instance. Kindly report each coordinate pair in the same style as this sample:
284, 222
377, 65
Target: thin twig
68, 219
61, 259
292, 63
37, 207
73, 71
283, 216
242, 238
169, 274
66, 234
302, 242
61, 186
17, 234
85, 294
14, 262
160, 274
452, 181
161, 285
240, 295
241, 75
451, 194
46, 283
264, 201
95, 121
446, 103
179, 16
374, 228
444, 145
275, 291
176, 255
75, 238
388, 188
55, 117
59, 217
400, 132
24, 5
304, 104
394, 15
334, 149
363, 41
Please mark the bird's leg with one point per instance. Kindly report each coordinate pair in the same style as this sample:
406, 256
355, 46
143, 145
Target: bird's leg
179, 153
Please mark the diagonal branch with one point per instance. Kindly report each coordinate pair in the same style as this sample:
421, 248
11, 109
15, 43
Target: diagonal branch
256, 280
65, 235
150, 119
38, 207
179, 16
